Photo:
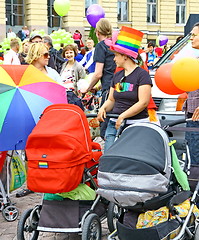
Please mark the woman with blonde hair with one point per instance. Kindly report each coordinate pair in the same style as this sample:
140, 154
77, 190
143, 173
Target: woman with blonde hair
38, 56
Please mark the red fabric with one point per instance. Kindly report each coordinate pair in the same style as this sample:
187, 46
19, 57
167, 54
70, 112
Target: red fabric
77, 36
118, 69
97, 153
2, 159
61, 139
81, 43
158, 51
152, 104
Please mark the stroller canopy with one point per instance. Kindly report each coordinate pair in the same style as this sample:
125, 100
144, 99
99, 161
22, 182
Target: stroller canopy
137, 166
57, 149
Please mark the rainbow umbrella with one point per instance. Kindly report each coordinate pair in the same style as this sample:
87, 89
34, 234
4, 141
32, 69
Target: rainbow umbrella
24, 93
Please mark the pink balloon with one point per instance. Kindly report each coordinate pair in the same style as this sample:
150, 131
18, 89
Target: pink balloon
94, 13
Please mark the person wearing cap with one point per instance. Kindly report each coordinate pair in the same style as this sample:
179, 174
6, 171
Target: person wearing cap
56, 60
130, 89
35, 38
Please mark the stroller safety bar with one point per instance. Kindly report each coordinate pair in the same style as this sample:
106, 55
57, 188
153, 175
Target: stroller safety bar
110, 115
174, 123
169, 126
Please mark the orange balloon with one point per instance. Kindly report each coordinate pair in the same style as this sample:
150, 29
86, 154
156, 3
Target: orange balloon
185, 74
163, 80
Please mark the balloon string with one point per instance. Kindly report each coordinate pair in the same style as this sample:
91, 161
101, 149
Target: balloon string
61, 21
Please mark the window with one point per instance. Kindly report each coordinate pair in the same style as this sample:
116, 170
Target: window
122, 10
88, 3
151, 11
15, 12
53, 18
180, 11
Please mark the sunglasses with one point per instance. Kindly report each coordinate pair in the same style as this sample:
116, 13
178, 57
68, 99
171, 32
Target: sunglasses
194, 35
120, 83
46, 55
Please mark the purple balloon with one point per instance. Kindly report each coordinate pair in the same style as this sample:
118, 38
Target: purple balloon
94, 13
163, 40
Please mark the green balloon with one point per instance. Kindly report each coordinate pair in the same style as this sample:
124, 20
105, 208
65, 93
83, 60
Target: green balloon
61, 7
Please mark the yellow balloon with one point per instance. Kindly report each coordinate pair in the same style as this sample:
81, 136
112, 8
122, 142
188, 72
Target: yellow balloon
185, 74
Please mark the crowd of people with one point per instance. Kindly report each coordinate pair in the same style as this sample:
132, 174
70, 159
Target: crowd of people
121, 68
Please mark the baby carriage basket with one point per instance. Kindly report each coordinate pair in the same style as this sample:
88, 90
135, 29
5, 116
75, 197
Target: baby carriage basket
62, 160
141, 174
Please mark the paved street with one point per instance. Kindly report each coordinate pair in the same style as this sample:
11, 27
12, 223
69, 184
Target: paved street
8, 230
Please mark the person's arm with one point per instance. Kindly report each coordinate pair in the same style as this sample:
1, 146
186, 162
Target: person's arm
144, 93
96, 76
195, 116
107, 106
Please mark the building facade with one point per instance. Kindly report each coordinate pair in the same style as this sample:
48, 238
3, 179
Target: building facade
153, 17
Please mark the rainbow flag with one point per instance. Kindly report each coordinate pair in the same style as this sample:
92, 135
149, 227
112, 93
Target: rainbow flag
43, 165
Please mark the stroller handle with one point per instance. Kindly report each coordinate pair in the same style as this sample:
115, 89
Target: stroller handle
174, 123
109, 115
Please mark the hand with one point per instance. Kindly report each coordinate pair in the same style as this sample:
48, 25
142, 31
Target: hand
195, 116
84, 90
119, 122
101, 115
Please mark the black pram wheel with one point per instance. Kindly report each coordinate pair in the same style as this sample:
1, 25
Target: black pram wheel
92, 228
25, 229
113, 214
196, 236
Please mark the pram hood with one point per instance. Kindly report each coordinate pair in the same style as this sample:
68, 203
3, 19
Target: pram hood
137, 166
62, 134
57, 149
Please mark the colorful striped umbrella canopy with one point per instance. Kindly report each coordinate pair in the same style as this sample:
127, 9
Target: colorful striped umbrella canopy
24, 93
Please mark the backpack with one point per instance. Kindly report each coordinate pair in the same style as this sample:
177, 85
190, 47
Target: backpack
21, 35
58, 149
74, 99
55, 61
77, 36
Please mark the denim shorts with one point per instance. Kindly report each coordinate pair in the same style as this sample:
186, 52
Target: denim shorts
110, 135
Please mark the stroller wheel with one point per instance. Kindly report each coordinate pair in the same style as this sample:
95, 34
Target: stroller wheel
10, 213
92, 228
196, 236
113, 214
26, 230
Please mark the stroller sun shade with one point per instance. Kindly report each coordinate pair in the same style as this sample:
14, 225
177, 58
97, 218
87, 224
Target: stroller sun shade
136, 168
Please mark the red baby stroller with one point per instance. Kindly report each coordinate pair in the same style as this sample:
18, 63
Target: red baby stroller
61, 156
